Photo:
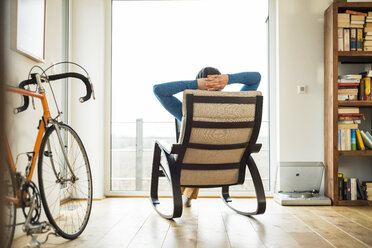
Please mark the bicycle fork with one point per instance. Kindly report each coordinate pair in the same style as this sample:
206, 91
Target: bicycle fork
60, 141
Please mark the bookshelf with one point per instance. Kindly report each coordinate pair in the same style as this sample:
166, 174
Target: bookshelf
333, 60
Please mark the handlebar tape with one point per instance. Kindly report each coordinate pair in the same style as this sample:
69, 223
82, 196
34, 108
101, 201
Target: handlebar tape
78, 76
26, 99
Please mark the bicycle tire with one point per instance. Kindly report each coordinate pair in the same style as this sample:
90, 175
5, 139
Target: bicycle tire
63, 210
9, 208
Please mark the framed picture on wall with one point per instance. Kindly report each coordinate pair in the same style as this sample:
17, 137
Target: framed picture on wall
31, 16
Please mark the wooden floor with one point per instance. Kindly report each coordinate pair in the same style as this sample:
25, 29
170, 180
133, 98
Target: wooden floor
131, 222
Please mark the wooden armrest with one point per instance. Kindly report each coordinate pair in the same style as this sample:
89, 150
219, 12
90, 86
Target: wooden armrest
255, 148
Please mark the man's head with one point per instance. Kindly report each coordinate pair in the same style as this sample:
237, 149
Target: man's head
203, 73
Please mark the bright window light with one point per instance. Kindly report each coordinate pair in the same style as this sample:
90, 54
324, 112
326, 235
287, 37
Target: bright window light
160, 41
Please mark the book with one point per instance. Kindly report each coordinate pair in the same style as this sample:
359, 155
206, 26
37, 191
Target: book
350, 76
359, 42
351, 115
348, 91
349, 118
339, 139
356, 13
347, 97
353, 189
360, 190
342, 97
356, 25
343, 24
346, 39
367, 48
369, 136
347, 139
349, 122
340, 37
348, 80
347, 110
367, 88
348, 85
360, 143
345, 188
361, 89
365, 43
353, 139
340, 186
353, 39
342, 140
366, 141
348, 189
347, 126
366, 30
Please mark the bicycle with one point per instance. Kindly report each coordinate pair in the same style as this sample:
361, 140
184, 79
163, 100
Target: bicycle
64, 175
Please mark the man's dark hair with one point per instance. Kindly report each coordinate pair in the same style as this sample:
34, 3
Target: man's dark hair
203, 73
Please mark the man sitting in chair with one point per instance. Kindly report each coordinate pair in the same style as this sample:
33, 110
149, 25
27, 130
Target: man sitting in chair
208, 78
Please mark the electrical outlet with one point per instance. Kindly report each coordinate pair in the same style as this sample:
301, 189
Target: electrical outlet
301, 89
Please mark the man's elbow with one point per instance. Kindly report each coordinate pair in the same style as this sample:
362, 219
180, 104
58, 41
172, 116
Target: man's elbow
155, 89
257, 77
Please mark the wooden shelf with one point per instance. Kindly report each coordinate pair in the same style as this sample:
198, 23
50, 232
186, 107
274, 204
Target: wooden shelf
354, 203
333, 67
355, 153
355, 103
355, 57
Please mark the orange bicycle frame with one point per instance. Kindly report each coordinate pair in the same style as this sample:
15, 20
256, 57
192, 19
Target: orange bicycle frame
42, 127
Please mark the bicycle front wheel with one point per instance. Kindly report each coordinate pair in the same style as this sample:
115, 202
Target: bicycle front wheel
65, 181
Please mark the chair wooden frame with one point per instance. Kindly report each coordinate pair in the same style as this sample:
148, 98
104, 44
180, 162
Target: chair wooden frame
172, 169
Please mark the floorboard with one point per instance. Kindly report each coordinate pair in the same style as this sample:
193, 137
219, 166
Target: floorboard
131, 222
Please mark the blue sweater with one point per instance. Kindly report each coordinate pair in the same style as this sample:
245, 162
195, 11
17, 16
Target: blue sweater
165, 92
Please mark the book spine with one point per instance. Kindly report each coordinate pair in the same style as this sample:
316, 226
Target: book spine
342, 145
367, 88
339, 139
340, 36
366, 141
340, 186
348, 193
361, 90
346, 39
353, 12
353, 140
359, 190
345, 188
360, 140
347, 139
359, 39
353, 189
353, 39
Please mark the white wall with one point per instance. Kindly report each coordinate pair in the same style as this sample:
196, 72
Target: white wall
87, 48
300, 61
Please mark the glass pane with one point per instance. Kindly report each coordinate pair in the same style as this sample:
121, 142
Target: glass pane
161, 41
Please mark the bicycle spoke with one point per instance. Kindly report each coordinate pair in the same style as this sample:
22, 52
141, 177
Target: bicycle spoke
68, 203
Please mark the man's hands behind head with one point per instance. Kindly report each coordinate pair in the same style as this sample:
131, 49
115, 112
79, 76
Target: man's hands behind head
213, 82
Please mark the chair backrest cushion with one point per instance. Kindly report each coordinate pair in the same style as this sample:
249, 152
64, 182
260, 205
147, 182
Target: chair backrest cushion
213, 120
